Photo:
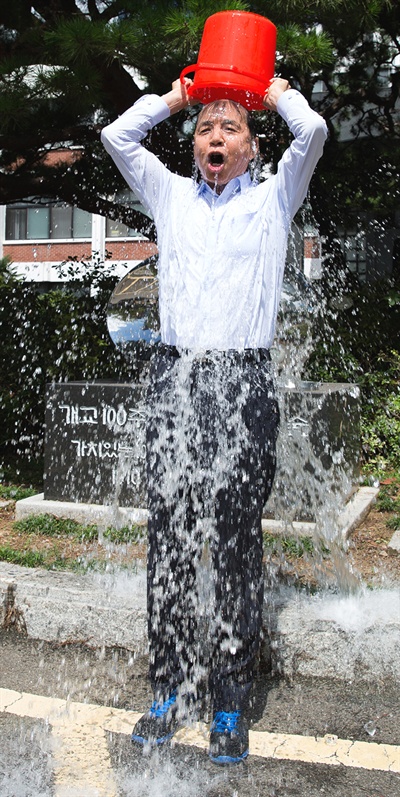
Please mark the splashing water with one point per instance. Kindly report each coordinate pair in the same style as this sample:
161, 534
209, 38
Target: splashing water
164, 780
361, 611
318, 442
199, 432
199, 427
31, 775
182, 776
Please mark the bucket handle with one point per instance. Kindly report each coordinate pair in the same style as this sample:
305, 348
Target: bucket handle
219, 68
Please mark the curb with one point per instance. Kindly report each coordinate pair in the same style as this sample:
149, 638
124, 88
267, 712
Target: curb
339, 636
348, 519
103, 516
326, 636
97, 610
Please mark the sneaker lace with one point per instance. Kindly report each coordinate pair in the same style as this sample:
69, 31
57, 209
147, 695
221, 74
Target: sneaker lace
159, 709
225, 721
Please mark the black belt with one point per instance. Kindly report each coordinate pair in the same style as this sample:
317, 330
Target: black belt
239, 355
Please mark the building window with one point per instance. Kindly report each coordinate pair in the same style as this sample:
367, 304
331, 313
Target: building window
81, 223
115, 229
61, 222
355, 253
28, 222
15, 223
37, 223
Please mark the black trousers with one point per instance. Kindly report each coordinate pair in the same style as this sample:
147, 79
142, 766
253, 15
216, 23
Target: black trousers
211, 437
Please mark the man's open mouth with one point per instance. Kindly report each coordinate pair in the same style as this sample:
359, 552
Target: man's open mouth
215, 161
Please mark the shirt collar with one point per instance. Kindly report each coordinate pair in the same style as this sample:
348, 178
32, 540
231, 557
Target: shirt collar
235, 186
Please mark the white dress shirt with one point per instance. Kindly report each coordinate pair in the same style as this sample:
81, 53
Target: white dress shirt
221, 257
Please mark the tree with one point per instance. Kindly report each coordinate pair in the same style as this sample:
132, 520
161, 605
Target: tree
67, 68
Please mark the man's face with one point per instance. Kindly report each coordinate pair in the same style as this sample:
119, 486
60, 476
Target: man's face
223, 145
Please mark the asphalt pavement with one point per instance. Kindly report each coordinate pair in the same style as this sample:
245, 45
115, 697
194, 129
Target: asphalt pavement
66, 714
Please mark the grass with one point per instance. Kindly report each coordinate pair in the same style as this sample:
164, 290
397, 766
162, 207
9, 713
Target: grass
14, 492
125, 535
295, 547
56, 528
389, 500
59, 534
50, 560
52, 526
24, 558
394, 523
64, 529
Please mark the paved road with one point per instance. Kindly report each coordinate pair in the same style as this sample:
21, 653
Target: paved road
66, 714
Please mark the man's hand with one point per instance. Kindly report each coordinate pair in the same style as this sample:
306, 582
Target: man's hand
177, 98
277, 87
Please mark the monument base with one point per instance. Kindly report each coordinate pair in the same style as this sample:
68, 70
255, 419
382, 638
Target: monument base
109, 516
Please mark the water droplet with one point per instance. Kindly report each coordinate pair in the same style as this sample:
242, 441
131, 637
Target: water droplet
370, 728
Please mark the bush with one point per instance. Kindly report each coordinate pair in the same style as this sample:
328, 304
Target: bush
361, 344
381, 414
57, 336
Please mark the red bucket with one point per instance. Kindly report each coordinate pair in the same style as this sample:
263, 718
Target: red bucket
236, 59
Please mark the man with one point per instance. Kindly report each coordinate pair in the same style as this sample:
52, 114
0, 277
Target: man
213, 416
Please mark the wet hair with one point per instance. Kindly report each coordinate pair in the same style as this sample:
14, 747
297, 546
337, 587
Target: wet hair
212, 107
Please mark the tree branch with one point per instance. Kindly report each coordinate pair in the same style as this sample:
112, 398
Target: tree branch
78, 134
93, 10
15, 187
118, 85
57, 8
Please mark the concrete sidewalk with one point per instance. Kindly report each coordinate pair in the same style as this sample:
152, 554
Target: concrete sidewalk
326, 636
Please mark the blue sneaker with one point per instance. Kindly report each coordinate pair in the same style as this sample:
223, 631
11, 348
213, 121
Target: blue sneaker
159, 724
229, 738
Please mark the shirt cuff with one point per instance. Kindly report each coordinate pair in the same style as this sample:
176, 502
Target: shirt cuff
156, 107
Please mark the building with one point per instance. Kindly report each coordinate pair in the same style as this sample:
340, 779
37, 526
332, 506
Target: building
37, 238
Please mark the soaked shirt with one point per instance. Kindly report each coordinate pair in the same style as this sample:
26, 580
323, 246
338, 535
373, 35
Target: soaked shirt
221, 257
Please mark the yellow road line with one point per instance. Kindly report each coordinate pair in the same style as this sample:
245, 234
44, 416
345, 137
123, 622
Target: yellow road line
89, 753
81, 758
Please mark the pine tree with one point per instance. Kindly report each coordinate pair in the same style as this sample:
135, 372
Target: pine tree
67, 68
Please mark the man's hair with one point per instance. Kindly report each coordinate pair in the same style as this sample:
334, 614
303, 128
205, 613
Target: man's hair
211, 107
